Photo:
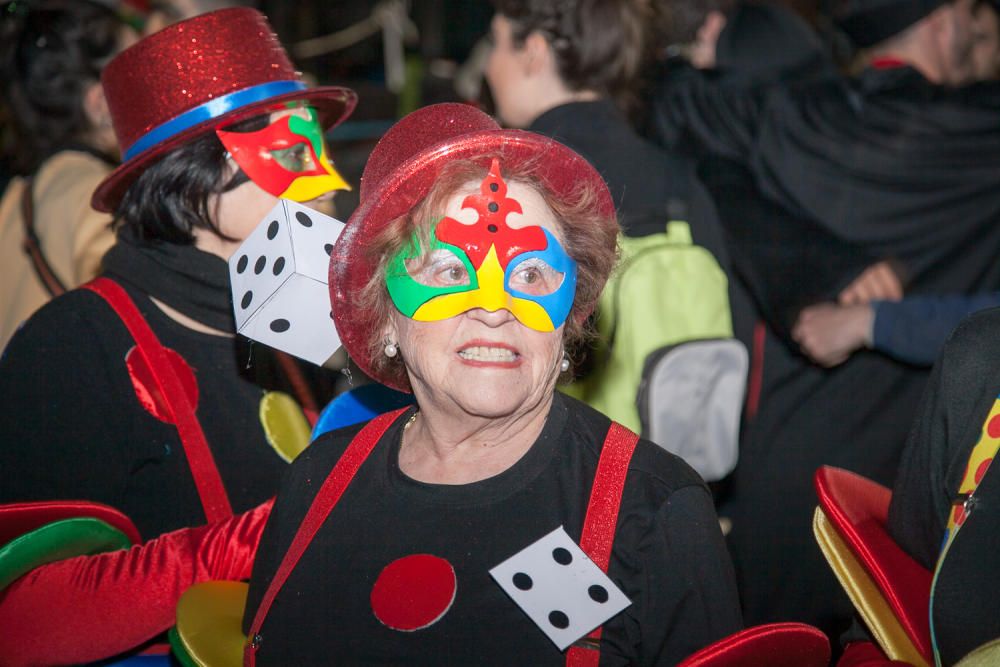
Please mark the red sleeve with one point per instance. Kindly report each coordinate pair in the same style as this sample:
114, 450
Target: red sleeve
92, 607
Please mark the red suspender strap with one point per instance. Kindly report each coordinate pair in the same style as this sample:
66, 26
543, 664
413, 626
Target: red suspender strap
212, 493
326, 498
599, 524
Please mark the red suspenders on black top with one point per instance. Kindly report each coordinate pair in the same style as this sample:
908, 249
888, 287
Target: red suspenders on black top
596, 539
212, 493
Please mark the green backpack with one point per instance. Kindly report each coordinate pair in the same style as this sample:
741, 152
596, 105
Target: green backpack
666, 295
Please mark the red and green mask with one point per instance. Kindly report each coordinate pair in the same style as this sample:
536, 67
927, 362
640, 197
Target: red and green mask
288, 158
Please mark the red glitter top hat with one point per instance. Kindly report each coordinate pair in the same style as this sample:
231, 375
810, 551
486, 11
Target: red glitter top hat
195, 76
401, 171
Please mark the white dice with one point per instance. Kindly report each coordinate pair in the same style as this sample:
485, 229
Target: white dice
557, 585
279, 281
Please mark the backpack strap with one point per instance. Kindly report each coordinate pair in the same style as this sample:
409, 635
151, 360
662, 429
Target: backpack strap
326, 499
32, 246
599, 524
211, 491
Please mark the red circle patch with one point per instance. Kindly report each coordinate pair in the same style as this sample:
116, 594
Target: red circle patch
414, 592
993, 427
981, 470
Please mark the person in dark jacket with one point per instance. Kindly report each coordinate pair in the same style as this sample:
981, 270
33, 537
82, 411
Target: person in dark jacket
896, 163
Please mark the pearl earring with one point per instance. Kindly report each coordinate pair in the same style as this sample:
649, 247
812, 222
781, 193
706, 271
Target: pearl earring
391, 350
564, 364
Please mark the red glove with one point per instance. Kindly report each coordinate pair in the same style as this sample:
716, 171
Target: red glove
867, 654
93, 607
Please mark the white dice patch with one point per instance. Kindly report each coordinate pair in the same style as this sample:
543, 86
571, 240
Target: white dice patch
557, 585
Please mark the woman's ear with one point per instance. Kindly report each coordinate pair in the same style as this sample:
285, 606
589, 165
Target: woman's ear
389, 332
537, 54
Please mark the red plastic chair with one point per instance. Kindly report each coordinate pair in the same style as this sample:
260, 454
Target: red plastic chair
771, 645
889, 589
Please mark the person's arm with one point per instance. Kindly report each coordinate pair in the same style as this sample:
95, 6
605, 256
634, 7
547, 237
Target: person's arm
93, 607
915, 329
787, 261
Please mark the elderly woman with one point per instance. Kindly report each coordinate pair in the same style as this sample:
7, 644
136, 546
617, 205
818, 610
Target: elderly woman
466, 276
133, 391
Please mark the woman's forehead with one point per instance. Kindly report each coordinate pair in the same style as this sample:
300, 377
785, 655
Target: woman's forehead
534, 210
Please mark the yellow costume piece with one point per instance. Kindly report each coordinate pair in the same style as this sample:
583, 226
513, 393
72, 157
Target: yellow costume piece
307, 188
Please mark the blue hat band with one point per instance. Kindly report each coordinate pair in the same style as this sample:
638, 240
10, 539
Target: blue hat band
211, 109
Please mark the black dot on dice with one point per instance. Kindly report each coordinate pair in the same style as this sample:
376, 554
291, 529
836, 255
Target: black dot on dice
303, 219
562, 556
494, 187
259, 266
328, 247
247, 298
279, 266
522, 581
280, 326
241, 264
492, 228
494, 207
559, 619
272, 230
598, 593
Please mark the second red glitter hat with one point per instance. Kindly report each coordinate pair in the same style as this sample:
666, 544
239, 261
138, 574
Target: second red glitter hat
194, 76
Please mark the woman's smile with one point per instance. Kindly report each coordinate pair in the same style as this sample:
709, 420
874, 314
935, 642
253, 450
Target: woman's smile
492, 354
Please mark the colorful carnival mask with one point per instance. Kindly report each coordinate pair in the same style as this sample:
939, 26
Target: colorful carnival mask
287, 158
486, 265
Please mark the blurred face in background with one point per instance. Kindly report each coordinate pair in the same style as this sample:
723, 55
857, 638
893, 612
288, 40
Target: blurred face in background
959, 39
986, 42
506, 74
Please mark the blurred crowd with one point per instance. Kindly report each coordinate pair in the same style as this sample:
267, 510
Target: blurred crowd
819, 192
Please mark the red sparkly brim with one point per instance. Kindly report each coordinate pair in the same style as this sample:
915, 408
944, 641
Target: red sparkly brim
561, 170
332, 103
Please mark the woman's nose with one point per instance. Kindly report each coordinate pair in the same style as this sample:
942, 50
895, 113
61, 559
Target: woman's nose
491, 318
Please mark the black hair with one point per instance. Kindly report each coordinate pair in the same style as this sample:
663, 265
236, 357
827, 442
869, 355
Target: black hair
171, 198
52, 50
598, 44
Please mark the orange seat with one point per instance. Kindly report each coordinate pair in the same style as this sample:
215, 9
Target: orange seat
889, 589
771, 645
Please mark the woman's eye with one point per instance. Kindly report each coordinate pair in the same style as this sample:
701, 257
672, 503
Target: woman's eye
294, 158
454, 274
535, 277
442, 268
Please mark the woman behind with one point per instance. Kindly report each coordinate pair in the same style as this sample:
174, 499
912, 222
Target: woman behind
63, 143
215, 124
466, 277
